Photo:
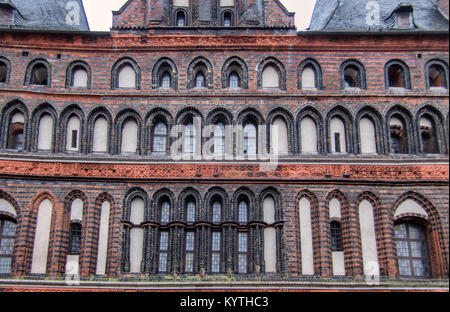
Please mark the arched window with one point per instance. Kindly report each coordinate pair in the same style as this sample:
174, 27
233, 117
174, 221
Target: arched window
398, 136
270, 77
250, 140
160, 138
80, 77
39, 75
165, 212
181, 18
279, 137
243, 212
16, 134
368, 238
200, 80
306, 237
189, 252
338, 137
227, 19
190, 211
309, 138
136, 234
309, 78
428, 136
129, 137
7, 239
100, 141
412, 251
352, 77
234, 81
336, 236
219, 140
396, 76
42, 237
270, 236
45, 133
436, 75
126, 77
367, 136
242, 252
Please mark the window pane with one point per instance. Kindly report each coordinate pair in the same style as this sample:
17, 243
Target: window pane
418, 249
243, 212
189, 263
416, 232
404, 267
217, 212
420, 268
190, 239
164, 241
165, 212
215, 263
216, 241
5, 265
242, 242
162, 262
9, 228
402, 249
250, 140
400, 231
7, 246
242, 264
190, 213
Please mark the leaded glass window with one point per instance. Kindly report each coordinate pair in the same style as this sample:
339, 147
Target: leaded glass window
243, 212
165, 212
336, 236
7, 238
215, 255
242, 252
219, 139
250, 140
190, 248
189, 139
163, 251
75, 238
190, 212
160, 138
217, 212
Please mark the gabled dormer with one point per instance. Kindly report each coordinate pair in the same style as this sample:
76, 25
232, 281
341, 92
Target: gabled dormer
402, 17
189, 14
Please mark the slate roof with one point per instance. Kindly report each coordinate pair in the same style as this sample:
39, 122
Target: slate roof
49, 15
350, 16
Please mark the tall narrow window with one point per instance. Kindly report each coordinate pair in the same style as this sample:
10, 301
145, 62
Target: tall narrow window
181, 18
7, 238
338, 139
16, 136
189, 252
216, 247
219, 139
437, 77
102, 253
308, 132
243, 212
190, 211
227, 19
279, 137
336, 236
398, 136
234, 81
396, 76
127, 77
100, 141
129, 137
367, 136
160, 138
189, 139
42, 237
45, 134
163, 251
39, 75
165, 212
412, 250
75, 238
73, 130
165, 80
250, 140
217, 212
242, 253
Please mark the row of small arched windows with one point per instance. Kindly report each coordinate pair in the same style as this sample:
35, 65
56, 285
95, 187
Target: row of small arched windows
126, 74
396, 133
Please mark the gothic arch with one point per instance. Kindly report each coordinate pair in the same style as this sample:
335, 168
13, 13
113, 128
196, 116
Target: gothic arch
237, 64
94, 114
7, 113
33, 130
310, 62
194, 66
376, 117
118, 65
66, 114
163, 65
278, 65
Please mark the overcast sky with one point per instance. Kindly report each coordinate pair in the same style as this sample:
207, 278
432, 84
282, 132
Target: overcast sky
100, 16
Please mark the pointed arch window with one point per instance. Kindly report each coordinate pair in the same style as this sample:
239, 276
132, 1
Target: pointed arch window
428, 136
165, 212
16, 132
234, 81
243, 211
181, 18
165, 80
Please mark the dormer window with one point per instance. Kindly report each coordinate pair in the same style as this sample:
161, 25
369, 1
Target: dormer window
404, 19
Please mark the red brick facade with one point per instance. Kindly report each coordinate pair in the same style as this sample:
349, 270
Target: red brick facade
385, 180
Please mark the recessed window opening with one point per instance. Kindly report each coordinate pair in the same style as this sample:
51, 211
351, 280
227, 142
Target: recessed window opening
39, 75
181, 19
3, 72
352, 77
234, 82
227, 19
396, 76
165, 80
200, 80
436, 75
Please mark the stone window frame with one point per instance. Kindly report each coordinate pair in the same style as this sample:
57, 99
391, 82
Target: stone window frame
123, 116
38, 112
438, 122
64, 117
376, 117
30, 71
115, 71
226, 71
406, 76
158, 71
316, 116
94, 114
7, 63
407, 117
444, 66
287, 116
153, 117
280, 68
347, 119
70, 72
7, 113
317, 71
192, 72
362, 73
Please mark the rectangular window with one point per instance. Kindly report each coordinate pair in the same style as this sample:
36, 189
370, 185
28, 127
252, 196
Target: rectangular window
215, 255
337, 142
163, 251
242, 252
190, 248
74, 138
